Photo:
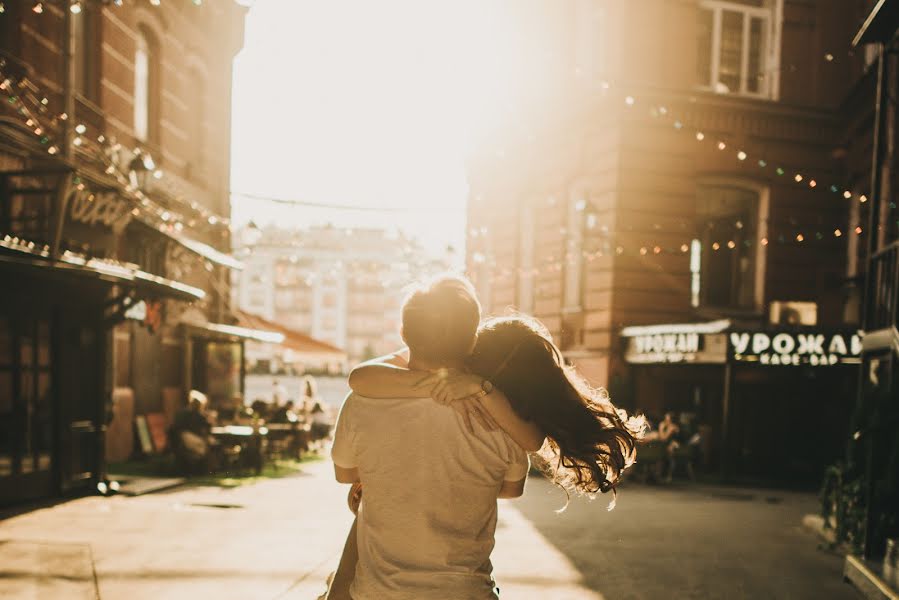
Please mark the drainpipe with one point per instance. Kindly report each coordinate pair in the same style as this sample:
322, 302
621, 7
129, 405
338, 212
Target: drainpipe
68, 54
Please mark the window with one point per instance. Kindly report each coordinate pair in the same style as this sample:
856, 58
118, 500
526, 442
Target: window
146, 86
86, 53
738, 46
526, 259
728, 255
590, 40
197, 122
574, 254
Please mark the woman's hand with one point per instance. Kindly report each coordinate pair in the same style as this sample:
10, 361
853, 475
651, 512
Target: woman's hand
462, 392
354, 498
448, 386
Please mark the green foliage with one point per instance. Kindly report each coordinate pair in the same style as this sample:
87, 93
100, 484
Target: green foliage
843, 507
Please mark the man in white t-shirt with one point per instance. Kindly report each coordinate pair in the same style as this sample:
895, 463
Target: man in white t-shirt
428, 517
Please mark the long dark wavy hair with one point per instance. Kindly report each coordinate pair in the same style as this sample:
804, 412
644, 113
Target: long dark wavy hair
589, 442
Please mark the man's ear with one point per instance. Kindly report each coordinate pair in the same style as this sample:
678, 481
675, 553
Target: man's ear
474, 342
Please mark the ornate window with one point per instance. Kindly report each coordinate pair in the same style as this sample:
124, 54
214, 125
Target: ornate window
738, 46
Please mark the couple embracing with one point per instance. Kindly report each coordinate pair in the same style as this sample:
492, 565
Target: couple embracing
431, 436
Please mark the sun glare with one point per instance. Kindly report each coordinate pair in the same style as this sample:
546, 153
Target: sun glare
370, 104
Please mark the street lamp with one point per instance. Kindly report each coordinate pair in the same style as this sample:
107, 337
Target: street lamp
141, 169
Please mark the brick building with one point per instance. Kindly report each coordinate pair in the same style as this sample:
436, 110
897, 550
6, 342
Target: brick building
695, 168
114, 226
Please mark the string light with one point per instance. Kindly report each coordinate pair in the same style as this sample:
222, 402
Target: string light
75, 7
38, 8
741, 155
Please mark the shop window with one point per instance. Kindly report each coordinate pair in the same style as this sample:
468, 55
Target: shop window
738, 46
146, 86
86, 56
728, 256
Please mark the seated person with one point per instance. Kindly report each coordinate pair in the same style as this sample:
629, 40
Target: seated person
285, 414
190, 436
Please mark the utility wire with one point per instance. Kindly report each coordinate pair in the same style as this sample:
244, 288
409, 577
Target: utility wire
324, 205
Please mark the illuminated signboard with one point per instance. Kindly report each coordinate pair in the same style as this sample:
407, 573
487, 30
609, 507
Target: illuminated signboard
701, 343
816, 349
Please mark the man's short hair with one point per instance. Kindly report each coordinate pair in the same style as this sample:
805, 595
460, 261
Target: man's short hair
440, 320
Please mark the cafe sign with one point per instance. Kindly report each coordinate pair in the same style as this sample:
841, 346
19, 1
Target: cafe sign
816, 349
107, 208
701, 343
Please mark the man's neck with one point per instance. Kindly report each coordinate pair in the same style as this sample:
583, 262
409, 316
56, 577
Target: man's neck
418, 364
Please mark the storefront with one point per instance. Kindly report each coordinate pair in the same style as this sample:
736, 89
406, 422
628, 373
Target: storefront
63, 295
772, 403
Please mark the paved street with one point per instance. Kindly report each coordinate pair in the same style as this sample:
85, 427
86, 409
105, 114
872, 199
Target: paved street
690, 542
280, 538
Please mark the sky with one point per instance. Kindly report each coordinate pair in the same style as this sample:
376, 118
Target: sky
366, 104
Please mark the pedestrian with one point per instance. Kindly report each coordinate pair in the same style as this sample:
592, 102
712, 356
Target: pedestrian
279, 393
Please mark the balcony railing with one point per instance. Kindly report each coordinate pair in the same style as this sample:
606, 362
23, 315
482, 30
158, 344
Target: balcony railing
883, 290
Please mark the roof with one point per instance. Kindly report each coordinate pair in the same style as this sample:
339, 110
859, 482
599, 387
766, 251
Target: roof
295, 340
880, 25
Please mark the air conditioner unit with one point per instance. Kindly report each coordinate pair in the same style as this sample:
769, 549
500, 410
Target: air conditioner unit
783, 312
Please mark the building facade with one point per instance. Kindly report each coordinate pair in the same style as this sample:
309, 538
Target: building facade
114, 226
694, 166
341, 286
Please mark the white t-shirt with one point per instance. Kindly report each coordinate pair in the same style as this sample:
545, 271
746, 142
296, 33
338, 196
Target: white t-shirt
429, 487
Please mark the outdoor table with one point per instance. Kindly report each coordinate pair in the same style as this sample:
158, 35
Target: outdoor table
247, 437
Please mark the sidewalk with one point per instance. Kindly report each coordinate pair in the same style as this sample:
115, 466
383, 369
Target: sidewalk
274, 540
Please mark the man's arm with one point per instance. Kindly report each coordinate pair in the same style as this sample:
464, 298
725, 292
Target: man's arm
512, 489
387, 377
345, 475
343, 450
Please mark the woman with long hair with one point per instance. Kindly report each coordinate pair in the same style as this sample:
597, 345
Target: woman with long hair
516, 379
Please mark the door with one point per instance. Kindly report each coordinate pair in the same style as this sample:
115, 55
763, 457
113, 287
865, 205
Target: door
27, 406
82, 402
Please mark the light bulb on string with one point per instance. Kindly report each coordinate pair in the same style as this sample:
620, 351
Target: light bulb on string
75, 7
80, 128
700, 136
798, 177
38, 7
847, 194
837, 233
862, 198
812, 183
741, 155
2, 8
721, 145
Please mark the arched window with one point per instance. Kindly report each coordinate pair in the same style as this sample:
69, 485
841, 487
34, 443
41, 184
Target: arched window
146, 86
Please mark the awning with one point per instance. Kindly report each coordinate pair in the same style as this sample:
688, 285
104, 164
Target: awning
197, 247
232, 332
36, 258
